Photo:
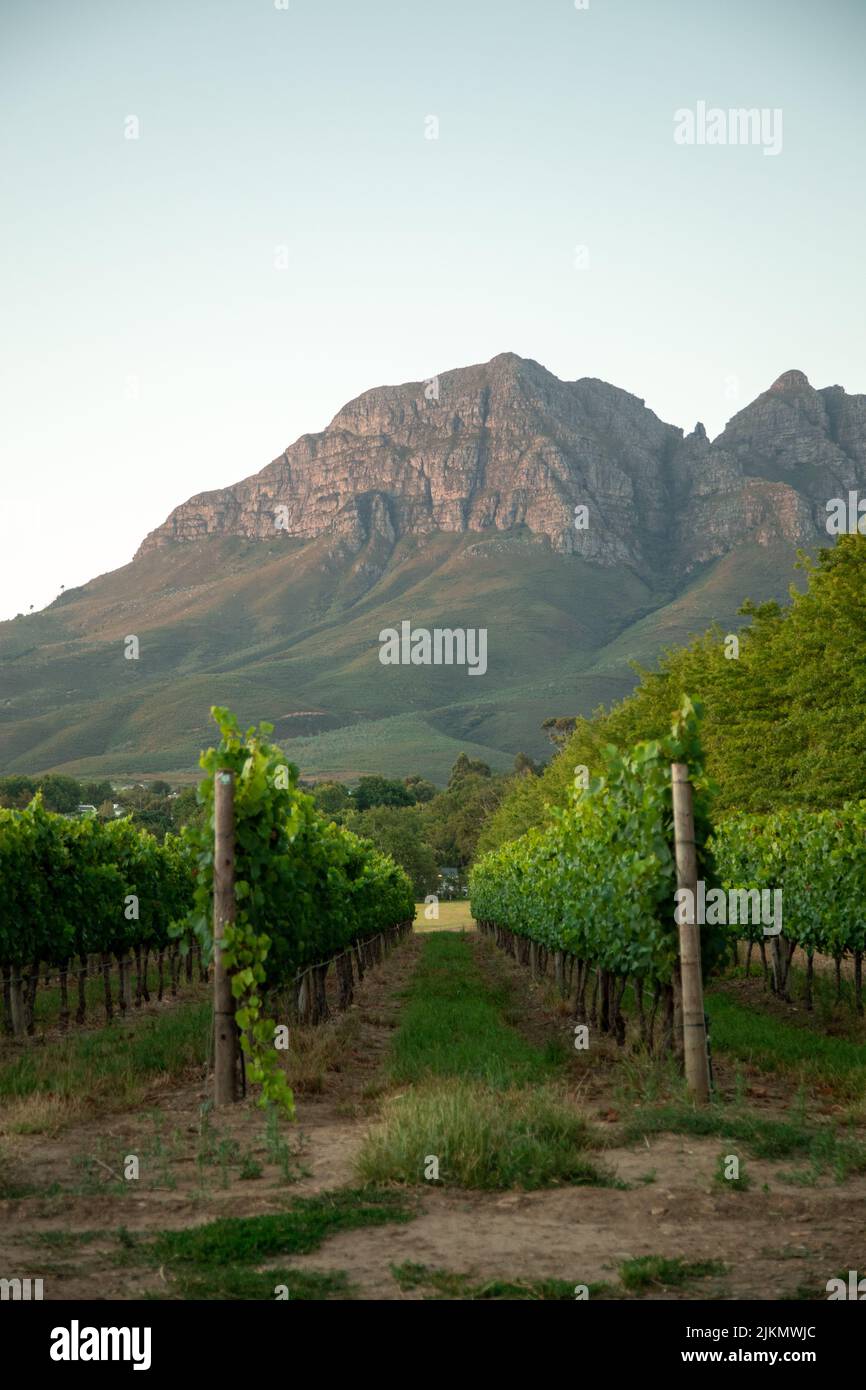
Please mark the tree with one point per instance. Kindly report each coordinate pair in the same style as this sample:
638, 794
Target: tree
381, 791
331, 798
134, 797
399, 832
185, 809
467, 767
94, 793
157, 819
420, 789
17, 791
453, 819
523, 805
559, 728
60, 793
524, 766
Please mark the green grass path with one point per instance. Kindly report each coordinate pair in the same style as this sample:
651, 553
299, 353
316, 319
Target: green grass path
453, 1024
484, 1102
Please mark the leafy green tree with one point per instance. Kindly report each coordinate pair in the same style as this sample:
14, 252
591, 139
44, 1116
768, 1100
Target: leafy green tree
381, 791
95, 793
16, 791
398, 831
597, 880
77, 886
453, 820
158, 819
305, 888
34, 925
524, 803
332, 799
184, 808
465, 766
420, 788
60, 793
524, 766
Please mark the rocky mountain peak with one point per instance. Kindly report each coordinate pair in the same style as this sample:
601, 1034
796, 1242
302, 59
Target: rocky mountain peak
790, 382
506, 444
562, 515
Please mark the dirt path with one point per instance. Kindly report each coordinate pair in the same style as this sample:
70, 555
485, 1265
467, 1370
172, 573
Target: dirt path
773, 1237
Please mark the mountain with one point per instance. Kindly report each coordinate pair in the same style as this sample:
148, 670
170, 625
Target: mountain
564, 518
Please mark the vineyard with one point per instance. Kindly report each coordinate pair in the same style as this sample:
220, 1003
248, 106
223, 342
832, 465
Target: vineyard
400, 1086
817, 860
81, 895
595, 890
77, 892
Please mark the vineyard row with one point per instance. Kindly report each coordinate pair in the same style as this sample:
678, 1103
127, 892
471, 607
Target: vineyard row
596, 888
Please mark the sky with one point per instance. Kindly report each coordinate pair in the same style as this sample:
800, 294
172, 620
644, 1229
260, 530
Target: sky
223, 219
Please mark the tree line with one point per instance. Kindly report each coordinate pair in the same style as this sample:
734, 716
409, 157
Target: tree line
424, 828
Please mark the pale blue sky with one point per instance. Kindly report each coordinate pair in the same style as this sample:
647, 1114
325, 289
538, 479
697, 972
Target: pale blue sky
151, 348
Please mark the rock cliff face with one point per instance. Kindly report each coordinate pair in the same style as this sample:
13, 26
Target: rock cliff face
507, 444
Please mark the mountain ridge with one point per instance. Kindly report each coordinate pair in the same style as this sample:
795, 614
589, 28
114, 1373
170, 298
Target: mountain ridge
507, 443
450, 502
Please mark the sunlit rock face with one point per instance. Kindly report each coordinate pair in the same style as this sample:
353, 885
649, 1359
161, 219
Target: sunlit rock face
508, 444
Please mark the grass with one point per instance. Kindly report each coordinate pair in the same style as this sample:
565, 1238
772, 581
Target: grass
483, 1102
724, 1175
112, 1066
814, 1293
302, 1228
646, 1078
453, 1026
485, 1139
765, 1138
13, 1187
654, 1271
279, 1151
314, 1050
227, 1156
772, 1044
755, 1034
838, 1013
451, 916
235, 1284
47, 1002
442, 1284
638, 1276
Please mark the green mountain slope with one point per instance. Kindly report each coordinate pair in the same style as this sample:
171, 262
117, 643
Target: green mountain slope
290, 636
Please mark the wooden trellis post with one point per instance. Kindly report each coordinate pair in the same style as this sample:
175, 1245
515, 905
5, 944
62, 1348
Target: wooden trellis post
694, 1027
225, 1032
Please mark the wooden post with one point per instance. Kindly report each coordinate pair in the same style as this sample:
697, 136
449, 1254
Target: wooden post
225, 1033
694, 1030
17, 1011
